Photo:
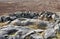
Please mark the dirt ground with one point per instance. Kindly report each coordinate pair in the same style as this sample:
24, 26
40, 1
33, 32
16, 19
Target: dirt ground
11, 6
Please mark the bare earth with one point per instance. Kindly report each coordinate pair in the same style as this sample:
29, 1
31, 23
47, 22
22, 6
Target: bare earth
29, 5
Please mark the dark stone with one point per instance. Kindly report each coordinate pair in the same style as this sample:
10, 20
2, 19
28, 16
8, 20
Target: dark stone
9, 32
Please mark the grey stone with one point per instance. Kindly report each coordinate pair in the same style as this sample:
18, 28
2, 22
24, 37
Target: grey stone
36, 36
49, 33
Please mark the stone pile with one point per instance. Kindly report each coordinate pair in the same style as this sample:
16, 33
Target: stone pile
18, 22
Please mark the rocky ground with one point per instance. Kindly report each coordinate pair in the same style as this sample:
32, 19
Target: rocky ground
30, 25
36, 24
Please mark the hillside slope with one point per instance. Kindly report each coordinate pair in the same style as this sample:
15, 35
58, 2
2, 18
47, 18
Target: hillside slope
29, 5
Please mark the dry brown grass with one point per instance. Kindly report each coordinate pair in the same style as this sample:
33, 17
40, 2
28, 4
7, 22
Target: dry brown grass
3, 24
